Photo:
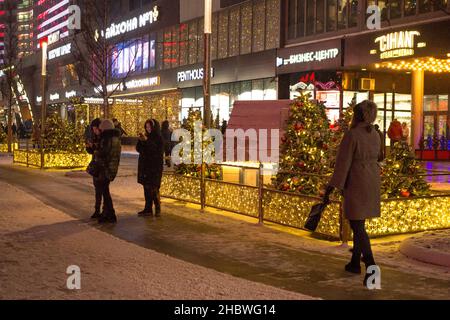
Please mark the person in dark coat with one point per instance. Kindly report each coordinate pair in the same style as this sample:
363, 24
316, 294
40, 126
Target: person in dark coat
108, 158
118, 125
92, 145
357, 173
150, 166
377, 129
166, 134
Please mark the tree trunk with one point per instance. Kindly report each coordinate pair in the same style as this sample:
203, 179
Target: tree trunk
10, 133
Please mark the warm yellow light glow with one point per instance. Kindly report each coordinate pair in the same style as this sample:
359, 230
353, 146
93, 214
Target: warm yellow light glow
52, 160
427, 64
397, 216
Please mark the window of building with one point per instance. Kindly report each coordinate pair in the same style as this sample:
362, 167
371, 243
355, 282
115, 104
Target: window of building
184, 44
410, 7
331, 15
246, 28
424, 6
310, 17
320, 16
223, 34
395, 7
133, 56
193, 42
259, 24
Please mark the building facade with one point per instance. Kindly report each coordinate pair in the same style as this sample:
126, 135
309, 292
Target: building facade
330, 49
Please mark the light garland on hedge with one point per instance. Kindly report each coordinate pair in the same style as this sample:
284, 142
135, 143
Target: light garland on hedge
4, 147
52, 160
397, 216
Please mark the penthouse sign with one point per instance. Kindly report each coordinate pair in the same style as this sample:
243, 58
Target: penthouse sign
193, 74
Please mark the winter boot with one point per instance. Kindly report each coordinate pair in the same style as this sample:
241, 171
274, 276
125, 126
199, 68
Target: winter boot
353, 268
96, 215
146, 213
108, 218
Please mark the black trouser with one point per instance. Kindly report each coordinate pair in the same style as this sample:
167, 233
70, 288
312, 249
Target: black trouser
103, 186
167, 154
361, 243
98, 194
151, 195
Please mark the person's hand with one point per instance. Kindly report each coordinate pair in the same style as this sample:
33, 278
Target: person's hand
142, 137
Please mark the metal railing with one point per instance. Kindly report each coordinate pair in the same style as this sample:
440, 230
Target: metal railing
291, 208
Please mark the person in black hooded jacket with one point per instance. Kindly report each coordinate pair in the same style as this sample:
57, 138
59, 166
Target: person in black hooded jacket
150, 166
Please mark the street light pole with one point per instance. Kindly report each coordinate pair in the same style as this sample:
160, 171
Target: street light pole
206, 93
43, 93
207, 65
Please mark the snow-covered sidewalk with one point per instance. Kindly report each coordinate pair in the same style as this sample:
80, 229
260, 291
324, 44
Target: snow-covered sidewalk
38, 243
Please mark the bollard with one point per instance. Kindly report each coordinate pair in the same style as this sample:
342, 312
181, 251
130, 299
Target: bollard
202, 188
260, 194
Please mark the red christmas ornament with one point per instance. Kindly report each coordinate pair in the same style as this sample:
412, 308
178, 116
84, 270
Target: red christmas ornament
298, 126
301, 164
405, 193
285, 186
325, 146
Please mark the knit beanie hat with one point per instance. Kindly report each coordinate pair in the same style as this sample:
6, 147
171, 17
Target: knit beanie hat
106, 125
96, 123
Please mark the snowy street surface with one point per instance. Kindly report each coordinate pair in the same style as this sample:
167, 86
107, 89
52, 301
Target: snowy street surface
185, 254
38, 243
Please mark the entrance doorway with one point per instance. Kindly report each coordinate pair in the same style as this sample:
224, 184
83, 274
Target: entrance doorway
435, 143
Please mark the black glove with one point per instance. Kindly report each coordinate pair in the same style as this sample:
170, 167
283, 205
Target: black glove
326, 196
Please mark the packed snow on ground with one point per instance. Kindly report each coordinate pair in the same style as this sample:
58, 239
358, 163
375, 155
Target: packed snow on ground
38, 243
386, 249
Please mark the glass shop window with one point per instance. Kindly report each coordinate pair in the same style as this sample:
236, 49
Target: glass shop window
395, 9
331, 15
424, 6
342, 14
320, 19
353, 14
309, 17
132, 56
410, 7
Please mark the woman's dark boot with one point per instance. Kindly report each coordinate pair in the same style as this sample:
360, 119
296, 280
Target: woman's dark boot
353, 268
146, 213
96, 215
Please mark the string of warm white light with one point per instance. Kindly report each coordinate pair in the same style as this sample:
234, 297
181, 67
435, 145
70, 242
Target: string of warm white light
426, 64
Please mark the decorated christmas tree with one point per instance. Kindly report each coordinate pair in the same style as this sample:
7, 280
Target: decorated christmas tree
212, 171
61, 135
401, 174
304, 150
338, 130
3, 137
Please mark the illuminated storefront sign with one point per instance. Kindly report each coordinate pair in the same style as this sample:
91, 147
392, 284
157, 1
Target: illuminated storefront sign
54, 97
133, 84
397, 44
132, 24
70, 94
194, 74
311, 56
60, 51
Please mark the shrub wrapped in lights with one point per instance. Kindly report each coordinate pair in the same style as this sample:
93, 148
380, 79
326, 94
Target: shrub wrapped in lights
64, 147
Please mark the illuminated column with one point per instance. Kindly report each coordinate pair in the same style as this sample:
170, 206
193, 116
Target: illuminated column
417, 85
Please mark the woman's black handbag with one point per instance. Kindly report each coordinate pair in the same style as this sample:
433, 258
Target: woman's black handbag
314, 216
93, 168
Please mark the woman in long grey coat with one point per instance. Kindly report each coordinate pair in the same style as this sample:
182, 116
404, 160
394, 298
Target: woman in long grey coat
357, 174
